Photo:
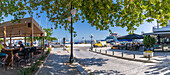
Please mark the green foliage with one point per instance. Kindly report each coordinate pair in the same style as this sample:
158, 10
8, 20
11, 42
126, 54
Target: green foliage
1, 39
67, 46
28, 71
49, 49
48, 37
148, 51
102, 14
47, 52
49, 34
149, 41
42, 57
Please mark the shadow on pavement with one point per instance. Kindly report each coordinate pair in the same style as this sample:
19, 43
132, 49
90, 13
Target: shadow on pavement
56, 65
98, 62
159, 68
93, 61
106, 72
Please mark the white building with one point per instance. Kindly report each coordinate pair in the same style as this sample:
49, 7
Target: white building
160, 29
163, 36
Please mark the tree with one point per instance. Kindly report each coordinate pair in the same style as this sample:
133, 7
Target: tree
149, 41
48, 37
53, 38
102, 14
49, 34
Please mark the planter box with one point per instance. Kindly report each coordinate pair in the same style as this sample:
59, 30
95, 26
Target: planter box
166, 48
146, 54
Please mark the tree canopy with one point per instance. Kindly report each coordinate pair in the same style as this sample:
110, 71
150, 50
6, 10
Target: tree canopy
47, 37
49, 33
102, 14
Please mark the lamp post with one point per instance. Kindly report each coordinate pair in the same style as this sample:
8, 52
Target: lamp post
91, 36
73, 12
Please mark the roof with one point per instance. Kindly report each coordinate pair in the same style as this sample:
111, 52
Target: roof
17, 29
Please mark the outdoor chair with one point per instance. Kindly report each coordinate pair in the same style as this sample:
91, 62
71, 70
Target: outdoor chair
25, 56
1, 60
3, 65
32, 52
39, 50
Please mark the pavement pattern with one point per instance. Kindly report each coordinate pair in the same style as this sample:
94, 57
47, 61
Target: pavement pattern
106, 65
56, 64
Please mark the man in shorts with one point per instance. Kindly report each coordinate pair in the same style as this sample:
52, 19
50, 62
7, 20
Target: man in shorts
3, 54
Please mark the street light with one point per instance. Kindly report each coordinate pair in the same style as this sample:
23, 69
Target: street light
91, 36
73, 12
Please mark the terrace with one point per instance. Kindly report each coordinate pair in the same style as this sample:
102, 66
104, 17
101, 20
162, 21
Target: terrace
27, 27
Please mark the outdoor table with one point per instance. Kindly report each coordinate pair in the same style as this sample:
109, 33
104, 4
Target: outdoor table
9, 51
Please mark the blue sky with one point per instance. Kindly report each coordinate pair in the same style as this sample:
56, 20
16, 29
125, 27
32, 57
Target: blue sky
85, 29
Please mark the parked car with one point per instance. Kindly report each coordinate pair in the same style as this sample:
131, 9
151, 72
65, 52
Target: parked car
100, 44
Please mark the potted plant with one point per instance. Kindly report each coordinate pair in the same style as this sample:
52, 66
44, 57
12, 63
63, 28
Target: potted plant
148, 53
148, 42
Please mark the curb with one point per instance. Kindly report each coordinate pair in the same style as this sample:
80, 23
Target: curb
79, 67
139, 60
42, 64
87, 70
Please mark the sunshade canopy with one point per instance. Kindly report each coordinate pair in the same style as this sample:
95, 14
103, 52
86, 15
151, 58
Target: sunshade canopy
131, 36
21, 29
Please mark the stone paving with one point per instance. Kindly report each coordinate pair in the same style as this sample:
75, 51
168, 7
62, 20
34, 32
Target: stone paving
56, 64
106, 65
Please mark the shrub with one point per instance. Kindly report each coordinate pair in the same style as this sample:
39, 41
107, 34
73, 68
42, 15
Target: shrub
148, 51
28, 71
149, 41
49, 49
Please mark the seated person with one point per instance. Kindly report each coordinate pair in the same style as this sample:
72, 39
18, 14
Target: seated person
21, 49
3, 54
4, 45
